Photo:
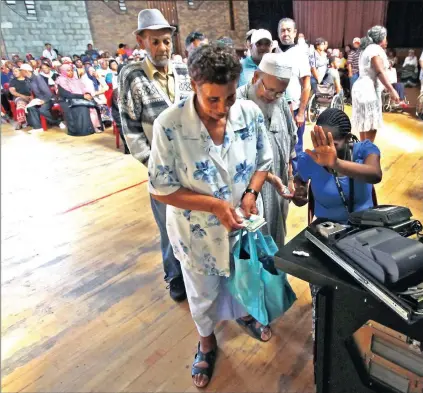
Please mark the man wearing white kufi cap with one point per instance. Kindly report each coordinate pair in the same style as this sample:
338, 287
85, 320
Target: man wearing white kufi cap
267, 90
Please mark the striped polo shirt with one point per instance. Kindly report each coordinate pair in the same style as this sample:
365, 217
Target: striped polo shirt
353, 59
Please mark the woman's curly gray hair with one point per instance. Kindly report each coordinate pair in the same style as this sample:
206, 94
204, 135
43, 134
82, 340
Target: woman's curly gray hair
214, 64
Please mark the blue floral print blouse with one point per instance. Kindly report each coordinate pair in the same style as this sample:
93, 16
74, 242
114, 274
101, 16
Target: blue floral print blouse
184, 155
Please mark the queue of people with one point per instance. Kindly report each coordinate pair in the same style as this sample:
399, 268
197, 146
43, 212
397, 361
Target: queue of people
243, 120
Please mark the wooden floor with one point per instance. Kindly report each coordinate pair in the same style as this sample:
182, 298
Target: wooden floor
84, 305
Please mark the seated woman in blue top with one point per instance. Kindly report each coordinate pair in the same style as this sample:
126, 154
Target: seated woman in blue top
336, 155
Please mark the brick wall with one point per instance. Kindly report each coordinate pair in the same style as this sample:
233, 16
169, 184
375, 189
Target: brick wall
71, 25
213, 19
63, 23
110, 27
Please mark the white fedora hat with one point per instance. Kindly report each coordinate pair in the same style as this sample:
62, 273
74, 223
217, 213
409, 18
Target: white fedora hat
152, 19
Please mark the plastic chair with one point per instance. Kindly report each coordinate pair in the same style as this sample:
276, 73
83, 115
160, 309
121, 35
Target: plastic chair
116, 132
44, 123
109, 95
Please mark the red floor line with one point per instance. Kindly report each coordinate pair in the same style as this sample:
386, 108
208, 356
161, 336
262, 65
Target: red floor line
103, 197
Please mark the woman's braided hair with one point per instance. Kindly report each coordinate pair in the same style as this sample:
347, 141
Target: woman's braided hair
339, 121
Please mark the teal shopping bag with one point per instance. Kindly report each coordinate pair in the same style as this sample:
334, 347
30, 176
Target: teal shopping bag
264, 295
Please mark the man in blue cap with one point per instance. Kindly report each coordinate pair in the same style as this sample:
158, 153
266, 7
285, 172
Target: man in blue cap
146, 89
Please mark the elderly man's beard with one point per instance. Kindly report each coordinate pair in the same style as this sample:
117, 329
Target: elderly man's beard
266, 107
157, 63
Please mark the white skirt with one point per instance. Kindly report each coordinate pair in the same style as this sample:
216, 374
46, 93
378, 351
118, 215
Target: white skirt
366, 106
210, 301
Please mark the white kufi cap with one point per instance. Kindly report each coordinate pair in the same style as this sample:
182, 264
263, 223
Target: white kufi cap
277, 64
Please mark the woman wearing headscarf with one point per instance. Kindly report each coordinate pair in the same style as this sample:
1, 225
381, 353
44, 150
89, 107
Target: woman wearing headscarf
80, 120
97, 86
367, 90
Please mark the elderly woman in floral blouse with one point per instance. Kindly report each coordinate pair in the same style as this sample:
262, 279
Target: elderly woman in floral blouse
210, 155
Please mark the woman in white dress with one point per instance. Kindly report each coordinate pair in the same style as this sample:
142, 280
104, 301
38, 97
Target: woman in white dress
367, 91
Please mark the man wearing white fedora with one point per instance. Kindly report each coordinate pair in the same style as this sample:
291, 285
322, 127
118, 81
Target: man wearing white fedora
146, 89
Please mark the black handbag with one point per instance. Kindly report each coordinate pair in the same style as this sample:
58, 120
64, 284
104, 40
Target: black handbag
75, 102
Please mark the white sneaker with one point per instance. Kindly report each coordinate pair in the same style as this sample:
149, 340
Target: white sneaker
62, 125
36, 131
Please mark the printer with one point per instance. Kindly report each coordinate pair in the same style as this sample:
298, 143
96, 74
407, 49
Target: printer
376, 248
383, 253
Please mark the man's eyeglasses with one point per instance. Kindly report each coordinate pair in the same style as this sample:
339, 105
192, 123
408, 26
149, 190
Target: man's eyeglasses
270, 93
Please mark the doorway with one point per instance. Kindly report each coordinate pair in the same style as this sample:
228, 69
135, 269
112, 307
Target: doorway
267, 14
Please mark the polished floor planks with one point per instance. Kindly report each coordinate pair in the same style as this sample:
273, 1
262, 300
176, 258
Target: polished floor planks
84, 306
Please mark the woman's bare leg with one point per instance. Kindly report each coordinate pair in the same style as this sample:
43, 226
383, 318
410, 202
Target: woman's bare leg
207, 344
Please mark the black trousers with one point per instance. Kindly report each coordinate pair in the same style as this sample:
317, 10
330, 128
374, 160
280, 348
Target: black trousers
118, 121
5, 103
34, 113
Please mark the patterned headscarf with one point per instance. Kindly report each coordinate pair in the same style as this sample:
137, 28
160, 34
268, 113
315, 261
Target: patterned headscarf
72, 85
375, 35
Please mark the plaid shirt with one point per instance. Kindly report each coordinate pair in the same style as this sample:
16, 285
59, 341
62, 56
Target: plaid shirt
353, 59
141, 100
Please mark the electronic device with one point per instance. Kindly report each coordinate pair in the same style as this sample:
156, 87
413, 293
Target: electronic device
390, 294
331, 231
383, 253
383, 215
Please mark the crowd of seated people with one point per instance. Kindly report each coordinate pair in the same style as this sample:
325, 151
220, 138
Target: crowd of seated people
78, 83
83, 87
98, 71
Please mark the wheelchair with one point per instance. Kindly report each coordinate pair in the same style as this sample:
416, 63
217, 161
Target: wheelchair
419, 107
389, 106
324, 97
